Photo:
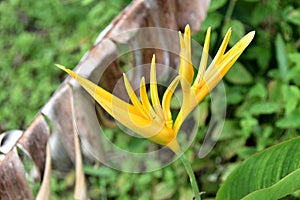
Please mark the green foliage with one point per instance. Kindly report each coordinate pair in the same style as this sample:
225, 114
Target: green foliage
107, 183
270, 174
262, 89
34, 35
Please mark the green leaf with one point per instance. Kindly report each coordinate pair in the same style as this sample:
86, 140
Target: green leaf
294, 72
291, 96
238, 74
258, 90
295, 59
270, 174
275, 91
264, 108
186, 193
216, 4
234, 98
213, 20
163, 191
281, 57
261, 54
248, 124
260, 13
294, 17
101, 171
230, 129
290, 121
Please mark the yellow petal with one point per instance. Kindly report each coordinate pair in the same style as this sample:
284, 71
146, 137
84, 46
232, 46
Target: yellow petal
204, 59
167, 100
134, 99
223, 46
187, 41
239, 47
227, 60
104, 98
212, 69
154, 92
145, 100
225, 63
188, 104
186, 68
125, 113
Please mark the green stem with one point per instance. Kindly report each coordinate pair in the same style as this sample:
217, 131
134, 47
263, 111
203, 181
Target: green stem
191, 174
229, 11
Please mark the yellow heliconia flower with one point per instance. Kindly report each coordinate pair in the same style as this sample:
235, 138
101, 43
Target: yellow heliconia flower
153, 120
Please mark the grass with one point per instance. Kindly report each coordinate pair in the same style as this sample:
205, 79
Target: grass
34, 36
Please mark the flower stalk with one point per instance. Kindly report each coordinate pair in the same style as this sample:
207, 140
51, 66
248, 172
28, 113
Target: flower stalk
192, 177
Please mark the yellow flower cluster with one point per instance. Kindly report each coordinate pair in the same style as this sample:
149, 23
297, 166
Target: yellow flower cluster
153, 120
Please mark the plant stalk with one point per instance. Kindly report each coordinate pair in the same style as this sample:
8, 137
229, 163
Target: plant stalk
229, 11
191, 174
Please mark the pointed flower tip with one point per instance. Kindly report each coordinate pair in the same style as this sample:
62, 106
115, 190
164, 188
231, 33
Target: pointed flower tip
125, 80
61, 67
187, 29
251, 35
208, 32
153, 59
248, 38
70, 72
229, 31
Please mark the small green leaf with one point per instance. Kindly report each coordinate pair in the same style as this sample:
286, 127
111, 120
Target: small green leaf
186, 193
275, 91
163, 191
281, 57
258, 90
294, 17
290, 121
101, 171
294, 72
260, 13
216, 4
261, 54
244, 151
294, 58
247, 124
234, 98
238, 74
291, 96
270, 174
213, 20
264, 108
230, 129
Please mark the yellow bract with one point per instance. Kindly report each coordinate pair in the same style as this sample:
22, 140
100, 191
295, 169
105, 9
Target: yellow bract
154, 120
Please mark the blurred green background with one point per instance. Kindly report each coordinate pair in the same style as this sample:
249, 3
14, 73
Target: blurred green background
263, 94
34, 35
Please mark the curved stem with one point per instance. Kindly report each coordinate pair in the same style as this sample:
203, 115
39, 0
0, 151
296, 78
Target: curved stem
229, 11
191, 174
